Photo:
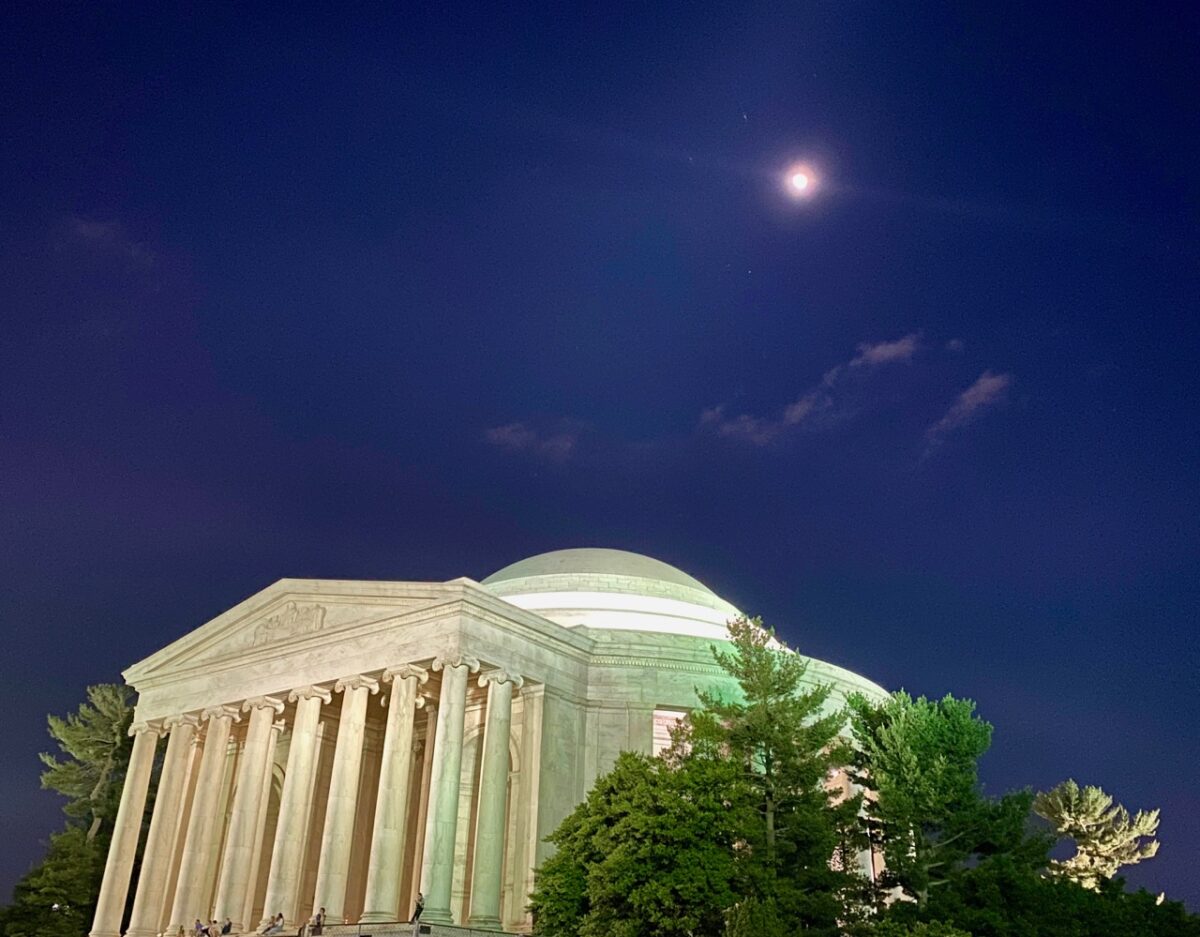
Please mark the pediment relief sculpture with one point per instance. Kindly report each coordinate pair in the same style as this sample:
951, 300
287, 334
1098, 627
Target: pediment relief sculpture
291, 621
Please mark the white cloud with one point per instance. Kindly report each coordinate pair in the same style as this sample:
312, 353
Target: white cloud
111, 237
988, 390
518, 437
877, 353
819, 401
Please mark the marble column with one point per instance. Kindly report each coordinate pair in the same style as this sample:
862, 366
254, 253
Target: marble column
243, 815
441, 822
382, 902
260, 826
486, 882
160, 841
203, 835
295, 804
114, 888
418, 847
333, 870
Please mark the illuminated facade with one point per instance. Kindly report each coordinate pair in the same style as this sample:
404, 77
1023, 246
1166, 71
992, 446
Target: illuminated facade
344, 744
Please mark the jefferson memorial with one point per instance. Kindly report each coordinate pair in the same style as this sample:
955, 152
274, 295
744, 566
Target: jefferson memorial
346, 745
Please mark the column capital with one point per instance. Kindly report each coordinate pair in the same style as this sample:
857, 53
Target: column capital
501, 676
152, 725
309, 692
279, 725
216, 712
184, 719
263, 702
456, 659
404, 671
418, 702
356, 682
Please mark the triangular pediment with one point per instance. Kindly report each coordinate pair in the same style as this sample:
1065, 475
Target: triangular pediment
291, 614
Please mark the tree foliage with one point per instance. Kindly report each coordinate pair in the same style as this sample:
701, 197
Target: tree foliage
918, 758
58, 895
649, 853
1001, 897
783, 736
730, 833
1105, 836
96, 741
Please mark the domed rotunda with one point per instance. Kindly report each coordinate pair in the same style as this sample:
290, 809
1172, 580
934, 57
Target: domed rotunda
345, 744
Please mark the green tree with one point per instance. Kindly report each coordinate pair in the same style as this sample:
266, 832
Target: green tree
781, 733
1002, 897
58, 895
96, 741
730, 833
649, 853
1105, 836
918, 758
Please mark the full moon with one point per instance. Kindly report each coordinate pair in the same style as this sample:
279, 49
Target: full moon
800, 181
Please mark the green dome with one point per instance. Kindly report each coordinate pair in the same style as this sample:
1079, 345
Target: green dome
595, 561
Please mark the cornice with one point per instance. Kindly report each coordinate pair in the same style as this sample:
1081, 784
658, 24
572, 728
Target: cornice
656, 663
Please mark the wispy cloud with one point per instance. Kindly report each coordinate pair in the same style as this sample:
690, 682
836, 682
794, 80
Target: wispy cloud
112, 237
818, 401
988, 390
557, 446
872, 354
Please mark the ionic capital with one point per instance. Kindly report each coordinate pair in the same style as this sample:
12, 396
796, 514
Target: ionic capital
404, 671
310, 692
418, 701
219, 712
263, 702
356, 682
501, 676
186, 719
456, 659
278, 726
153, 725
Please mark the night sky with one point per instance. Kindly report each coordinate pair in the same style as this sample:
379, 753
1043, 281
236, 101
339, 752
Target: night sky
412, 296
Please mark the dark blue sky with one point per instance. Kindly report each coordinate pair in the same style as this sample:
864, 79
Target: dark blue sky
412, 296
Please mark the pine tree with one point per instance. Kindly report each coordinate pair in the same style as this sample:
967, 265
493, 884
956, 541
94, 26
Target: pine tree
1105, 836
919, 759
97, 744
783, 735
58, 895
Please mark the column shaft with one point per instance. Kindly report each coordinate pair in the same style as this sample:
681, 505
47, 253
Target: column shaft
204, 826
333, 871
160, 841
441, 822
243, 815
260, 826
287, 856
391, 806
114, 887
418, 848
486, 882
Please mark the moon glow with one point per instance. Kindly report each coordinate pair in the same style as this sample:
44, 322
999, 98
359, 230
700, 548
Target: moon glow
800, 181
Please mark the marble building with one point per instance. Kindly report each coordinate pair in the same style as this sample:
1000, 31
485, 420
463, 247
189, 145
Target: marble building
345, 744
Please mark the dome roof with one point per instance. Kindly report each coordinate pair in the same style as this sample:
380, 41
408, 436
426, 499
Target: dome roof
594, 561
612, 590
